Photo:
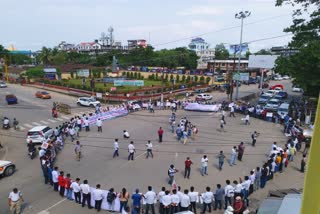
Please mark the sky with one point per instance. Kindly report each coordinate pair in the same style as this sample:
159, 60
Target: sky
32, 24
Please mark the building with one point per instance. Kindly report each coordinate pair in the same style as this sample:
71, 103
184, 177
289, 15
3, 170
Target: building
88, 46
132, 44
198, 44
227, 65
283, 51
204, 57
64, 46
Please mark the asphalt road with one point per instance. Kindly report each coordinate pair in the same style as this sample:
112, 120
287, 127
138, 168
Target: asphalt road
98, 166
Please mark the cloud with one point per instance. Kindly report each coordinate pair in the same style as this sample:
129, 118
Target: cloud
200, 10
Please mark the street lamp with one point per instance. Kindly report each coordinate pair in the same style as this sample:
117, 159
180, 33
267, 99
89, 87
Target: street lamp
241, 15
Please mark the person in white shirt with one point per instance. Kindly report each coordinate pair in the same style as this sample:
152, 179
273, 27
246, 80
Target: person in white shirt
131, 151
98, 197
14, 201
252, 178
150, 198
204, 165
247, 118
86, 195
237, 189
232, 111
228, 194
72, 133
166, 201
233, 156
116, 148
149, 149
175, 200
79, 123
55, 175
207, 198
193, 199
99, 125
76, 190
86, 124
160, 196
185, 201
126, 134
245, 189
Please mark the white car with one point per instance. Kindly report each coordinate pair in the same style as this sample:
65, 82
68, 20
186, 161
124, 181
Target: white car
203, 97
296, 89
278, 78
286, 77
270, 93
272, 104
38, 134
3, 84
7, 168
87, 101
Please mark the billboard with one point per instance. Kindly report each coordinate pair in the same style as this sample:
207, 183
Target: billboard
128, 83
262, 61
241, 76
112, 79
83, 73
235, 49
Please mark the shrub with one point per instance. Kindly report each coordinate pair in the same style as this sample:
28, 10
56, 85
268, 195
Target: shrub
131, 75
171, 77
196, 78
202, 79
139, 75
183, 78
177, 78
188, 79
208, 80
156, 77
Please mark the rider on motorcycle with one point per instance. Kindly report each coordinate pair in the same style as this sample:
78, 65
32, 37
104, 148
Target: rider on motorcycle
31, 147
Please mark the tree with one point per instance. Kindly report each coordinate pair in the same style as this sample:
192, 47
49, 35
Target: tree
36, 72
221, 52
263, 52
303, 66
45, 56
248, 53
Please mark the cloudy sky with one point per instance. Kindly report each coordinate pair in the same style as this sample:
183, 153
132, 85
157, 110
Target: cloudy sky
29, 25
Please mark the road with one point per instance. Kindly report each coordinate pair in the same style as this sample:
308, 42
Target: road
98, 166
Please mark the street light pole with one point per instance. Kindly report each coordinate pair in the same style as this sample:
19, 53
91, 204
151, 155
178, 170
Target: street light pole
241, 15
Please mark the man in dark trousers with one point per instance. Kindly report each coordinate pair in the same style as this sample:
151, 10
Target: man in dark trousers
160, 134
187, 170
240, 151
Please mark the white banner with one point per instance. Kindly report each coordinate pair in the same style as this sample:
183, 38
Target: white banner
109, 115
201, 107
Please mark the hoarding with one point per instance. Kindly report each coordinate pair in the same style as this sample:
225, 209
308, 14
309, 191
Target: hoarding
83, 73
241, 76
235, 49
128, 83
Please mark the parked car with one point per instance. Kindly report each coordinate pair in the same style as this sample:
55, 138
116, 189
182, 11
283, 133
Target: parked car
200, 90
3, 84
252, 81
203, 97
264, 98
278, 78
38, 134
87, 101
276, 86
272, 104
270, 93
286, 77
296, 89
135, 105
283, 110
7, 168
11, 99
43, 95
281, 95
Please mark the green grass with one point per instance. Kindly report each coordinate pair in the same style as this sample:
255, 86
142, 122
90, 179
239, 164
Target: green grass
100, 86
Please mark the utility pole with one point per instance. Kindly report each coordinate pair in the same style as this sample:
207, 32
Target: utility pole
241, 15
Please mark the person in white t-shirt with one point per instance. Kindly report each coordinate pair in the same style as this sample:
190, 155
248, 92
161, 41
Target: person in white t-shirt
228, 194
131, 150
116, 148
98, 197
14, 200
245, 188
126, 134
207, 198
149, 149
185, 201
76, 190
166, 202
175, 200
193, 199
99, 125
204, 165
150, 198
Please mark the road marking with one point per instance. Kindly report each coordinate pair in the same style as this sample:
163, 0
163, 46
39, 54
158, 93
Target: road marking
21, 128
28, 125
37, 124
46, 210
52, 121
45, 122
60, 119
65, 117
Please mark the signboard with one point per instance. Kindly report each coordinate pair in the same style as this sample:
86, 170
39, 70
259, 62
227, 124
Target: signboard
112, 79
201, 107
262, 61
99, 95
241, 76
128, 83
235, 49
83, 73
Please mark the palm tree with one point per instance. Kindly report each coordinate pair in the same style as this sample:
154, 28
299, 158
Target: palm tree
45, 56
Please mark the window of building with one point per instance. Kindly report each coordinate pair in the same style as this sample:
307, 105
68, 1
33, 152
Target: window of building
223, 64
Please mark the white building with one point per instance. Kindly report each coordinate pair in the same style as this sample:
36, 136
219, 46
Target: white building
203, 52
64, 46
88, 46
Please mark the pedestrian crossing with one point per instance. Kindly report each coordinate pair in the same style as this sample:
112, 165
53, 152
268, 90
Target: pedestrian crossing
51, 122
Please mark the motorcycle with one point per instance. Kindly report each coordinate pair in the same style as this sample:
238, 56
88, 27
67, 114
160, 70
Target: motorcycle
6, 123
32, 154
